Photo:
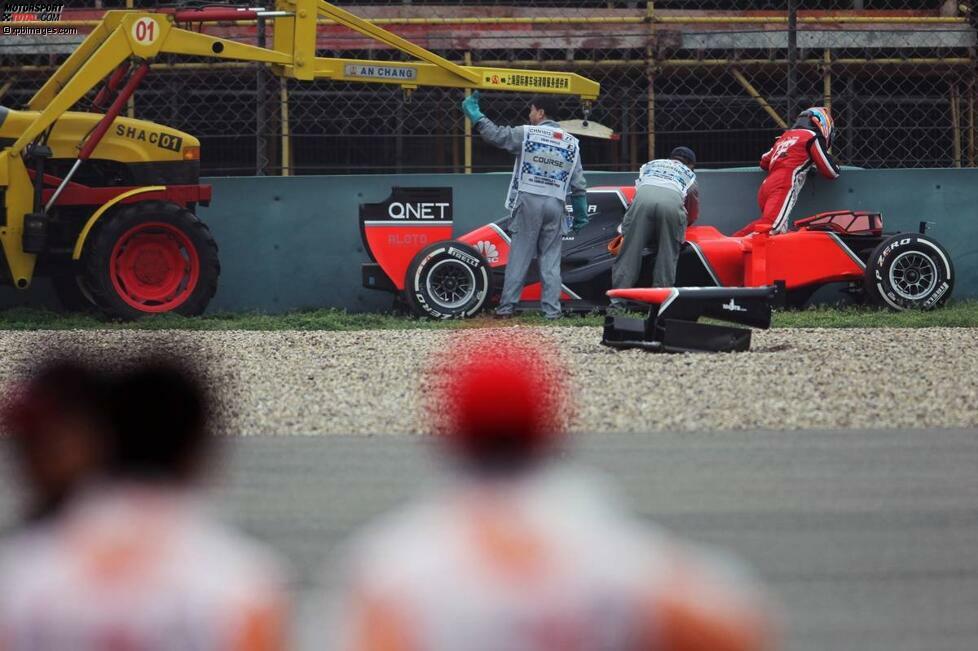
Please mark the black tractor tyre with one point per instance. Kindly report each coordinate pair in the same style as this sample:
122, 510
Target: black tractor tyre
151, 257
447, 280
909, 271
72, 292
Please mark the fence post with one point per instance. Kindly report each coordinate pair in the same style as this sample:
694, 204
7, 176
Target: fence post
971, 120
827, 80
468, 125
852, 114
285, 134
399, 124
260, 149
792, 57
622, 149
956, 122
650, 78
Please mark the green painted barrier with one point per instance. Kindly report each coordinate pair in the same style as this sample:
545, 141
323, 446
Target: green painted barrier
290, 243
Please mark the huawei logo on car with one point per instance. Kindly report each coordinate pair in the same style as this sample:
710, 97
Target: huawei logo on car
488, 251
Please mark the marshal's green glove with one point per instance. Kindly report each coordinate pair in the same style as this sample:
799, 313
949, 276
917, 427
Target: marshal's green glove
581, 219
471, 107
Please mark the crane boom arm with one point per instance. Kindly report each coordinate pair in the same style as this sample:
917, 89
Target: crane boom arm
294, 52
145, 35
377, 33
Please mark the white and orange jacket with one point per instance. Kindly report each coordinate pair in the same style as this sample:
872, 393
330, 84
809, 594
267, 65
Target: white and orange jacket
547, 563
135, 569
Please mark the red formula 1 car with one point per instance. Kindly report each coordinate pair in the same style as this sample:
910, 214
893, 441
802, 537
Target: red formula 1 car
409, 239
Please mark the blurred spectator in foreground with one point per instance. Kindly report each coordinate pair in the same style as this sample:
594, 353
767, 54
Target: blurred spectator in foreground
56, 422
136, 562
525, 554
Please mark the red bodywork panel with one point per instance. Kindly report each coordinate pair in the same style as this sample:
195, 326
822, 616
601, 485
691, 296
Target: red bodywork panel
533, 292
726, 255
799, 258
628, 191
653, 295
400, 243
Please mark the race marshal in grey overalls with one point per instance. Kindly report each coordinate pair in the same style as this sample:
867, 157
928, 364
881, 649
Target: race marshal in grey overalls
547, 170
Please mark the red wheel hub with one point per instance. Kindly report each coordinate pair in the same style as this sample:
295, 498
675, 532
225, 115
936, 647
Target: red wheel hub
154, 267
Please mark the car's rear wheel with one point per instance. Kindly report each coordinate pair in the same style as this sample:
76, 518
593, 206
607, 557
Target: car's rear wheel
909, 271
149, 258
447, 280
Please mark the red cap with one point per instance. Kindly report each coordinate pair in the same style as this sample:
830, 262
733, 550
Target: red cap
499, 394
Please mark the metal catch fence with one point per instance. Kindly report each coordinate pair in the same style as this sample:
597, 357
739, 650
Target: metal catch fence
723, 77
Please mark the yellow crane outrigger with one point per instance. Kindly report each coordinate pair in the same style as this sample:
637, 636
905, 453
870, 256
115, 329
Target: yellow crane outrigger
119, 51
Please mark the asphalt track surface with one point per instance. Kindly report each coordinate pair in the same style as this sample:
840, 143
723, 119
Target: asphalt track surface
868, 540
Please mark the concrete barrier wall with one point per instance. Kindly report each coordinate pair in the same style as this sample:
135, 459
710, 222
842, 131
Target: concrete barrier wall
289, 243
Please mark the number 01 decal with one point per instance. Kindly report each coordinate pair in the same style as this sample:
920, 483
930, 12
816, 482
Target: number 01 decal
145, 31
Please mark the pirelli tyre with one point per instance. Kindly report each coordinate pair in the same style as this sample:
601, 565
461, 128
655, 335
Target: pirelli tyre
909, 271
151, 257
447, 280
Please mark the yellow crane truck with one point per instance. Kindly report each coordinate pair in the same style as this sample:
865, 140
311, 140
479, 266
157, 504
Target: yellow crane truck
104, 205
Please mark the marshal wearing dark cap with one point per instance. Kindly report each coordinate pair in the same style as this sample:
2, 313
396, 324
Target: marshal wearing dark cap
684, 155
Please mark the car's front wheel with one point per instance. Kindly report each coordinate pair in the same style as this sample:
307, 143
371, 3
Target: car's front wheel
447, 280
909, 271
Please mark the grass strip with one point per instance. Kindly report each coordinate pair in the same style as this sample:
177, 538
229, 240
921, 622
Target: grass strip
960, 314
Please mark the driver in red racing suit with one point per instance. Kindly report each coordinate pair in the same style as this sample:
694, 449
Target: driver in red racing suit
787, 164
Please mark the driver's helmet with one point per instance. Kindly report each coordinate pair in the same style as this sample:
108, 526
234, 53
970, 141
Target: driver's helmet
819, 119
